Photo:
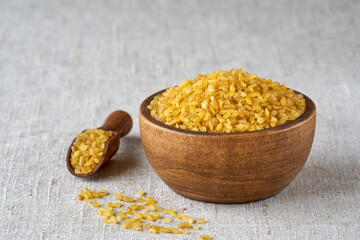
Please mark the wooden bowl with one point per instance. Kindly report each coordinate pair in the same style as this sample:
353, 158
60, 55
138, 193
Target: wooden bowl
228, 167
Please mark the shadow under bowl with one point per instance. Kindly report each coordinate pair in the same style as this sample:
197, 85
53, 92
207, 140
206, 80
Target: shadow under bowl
228, 167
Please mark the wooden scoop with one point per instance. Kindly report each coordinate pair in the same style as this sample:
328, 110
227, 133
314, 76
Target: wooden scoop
120, 123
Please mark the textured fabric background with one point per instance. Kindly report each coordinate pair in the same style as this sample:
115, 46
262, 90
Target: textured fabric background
65, 65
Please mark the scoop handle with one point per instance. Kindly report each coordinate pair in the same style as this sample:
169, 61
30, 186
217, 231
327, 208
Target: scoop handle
118, 121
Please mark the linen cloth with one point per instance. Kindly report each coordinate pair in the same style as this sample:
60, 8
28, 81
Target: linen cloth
66, 65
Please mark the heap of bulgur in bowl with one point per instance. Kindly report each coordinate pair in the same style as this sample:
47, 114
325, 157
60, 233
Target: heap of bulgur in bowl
227, 101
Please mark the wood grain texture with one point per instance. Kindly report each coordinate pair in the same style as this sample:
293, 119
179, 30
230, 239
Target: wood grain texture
228, 167
120, 123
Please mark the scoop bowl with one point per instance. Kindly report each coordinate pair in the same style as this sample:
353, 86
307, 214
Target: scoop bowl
120, 124
228, 167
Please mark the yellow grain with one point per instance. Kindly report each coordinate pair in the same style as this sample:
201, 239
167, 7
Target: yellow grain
151, 199
122, 216
150, 217
168, 211
119, 196
102, 192
126, 225
129, 210
107, 221
196, 227
157, 227
180, 216
159, 208
134, 207
137, 228
109, 205
152, 230
80, 197
184, 225
201, 220
140, 200
117, 205
147, 226
113, 219
128, 199
166, 220
108, 215
85, 155
139, 215
205, 237
165, 230
175, 230
156, 215
184, 231
226, 101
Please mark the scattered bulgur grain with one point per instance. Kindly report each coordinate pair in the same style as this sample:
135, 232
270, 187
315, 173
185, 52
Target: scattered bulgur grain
184, 231
147, 226
165, 230
139, 215
140, 200
175, 230
134, 207
108, 215
201, 220
147, 203
117, 205
159, 208
152, 230
157, 227
102, 192
166, 220
96, 195
150, 218
109, 205
137, 228
196, 227
80, 197
119, 196
205, 237
113, 219
156, 215
152, 208
128, 199
122, 216
107, 221
168, 211
184, 225
151, 199
126, 225
129, 210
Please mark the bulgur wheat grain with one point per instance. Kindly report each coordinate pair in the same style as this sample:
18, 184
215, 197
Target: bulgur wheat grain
225, 102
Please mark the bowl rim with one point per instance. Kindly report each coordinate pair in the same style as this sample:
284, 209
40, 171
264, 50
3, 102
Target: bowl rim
309, 112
